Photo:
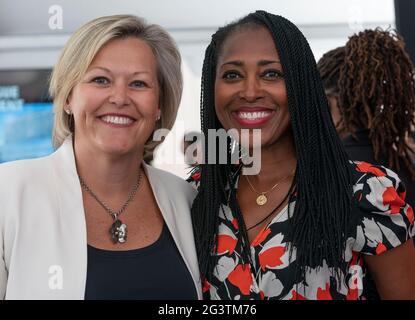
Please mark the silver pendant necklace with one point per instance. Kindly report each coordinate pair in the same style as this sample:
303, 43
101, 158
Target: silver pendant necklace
118, 230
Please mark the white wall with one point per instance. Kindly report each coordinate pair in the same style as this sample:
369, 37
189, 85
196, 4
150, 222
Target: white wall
17, 15
25, 23
26, 40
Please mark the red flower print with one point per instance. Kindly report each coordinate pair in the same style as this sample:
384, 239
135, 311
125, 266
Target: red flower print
226, 244
353, 294
410, 214
391, 197
235, 224
196, 176
271, 257
206, 286
241, 277
355, 261
380, 248
297, 296
367, 167
261, 237
324, 294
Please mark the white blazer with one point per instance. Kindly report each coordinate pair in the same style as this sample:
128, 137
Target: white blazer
43, 239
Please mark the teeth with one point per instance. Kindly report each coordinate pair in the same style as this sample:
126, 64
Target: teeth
253, 115
117, 120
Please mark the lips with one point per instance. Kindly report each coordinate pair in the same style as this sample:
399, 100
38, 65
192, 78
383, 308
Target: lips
253, 116
117, 120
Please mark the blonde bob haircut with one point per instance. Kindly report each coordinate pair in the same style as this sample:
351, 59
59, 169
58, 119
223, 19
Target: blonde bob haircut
83, 46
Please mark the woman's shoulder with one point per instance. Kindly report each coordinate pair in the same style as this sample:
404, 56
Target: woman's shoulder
376, 187
26, 169
362, 169
381, 186
381, 217
172, 182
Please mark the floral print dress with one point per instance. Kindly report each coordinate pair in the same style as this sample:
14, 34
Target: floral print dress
381, 220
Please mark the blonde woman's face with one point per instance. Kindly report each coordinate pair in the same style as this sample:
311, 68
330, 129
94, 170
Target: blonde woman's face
116, 104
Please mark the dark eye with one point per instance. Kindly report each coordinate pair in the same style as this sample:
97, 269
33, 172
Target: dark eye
138, 84
272, 74
101, 80
231, 75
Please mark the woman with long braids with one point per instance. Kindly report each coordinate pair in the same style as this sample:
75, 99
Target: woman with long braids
370, 83
312, 223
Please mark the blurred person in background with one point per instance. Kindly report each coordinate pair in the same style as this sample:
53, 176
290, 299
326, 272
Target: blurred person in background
370, 85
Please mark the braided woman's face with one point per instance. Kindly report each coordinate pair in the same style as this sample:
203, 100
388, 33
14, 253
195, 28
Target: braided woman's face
250, 89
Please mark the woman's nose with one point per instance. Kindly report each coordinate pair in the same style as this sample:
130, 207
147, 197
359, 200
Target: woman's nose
251, 90
119, 95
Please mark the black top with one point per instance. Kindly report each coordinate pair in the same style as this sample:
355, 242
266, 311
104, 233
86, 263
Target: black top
154, 272
361, 149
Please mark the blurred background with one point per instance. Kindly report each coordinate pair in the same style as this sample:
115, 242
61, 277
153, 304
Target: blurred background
32, 34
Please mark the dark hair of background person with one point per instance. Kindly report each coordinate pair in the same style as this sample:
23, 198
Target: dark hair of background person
373, 79
322, 182
329, 68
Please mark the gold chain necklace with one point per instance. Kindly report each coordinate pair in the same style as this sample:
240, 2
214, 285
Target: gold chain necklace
118, 230
262, 198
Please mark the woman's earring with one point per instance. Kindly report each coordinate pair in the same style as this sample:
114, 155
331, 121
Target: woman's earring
71, 122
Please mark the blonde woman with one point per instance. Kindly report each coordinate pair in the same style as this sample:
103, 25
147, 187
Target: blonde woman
92, 220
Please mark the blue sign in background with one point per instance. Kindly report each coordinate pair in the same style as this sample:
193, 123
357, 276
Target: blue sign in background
26, 133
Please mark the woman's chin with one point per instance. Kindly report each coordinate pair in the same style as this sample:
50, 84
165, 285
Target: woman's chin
117, 148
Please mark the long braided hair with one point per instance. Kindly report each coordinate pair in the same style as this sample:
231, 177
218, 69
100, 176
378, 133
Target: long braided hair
323, 177
374, 79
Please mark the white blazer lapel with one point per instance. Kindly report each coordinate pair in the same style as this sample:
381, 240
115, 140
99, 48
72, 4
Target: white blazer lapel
73, 237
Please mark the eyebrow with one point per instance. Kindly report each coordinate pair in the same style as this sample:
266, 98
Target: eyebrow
109, 71
260, 63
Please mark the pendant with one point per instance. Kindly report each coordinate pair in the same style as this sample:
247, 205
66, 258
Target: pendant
118, 232
261, 200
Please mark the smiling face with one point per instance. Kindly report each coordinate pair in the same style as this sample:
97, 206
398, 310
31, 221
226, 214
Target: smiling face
250, 89
116, 104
